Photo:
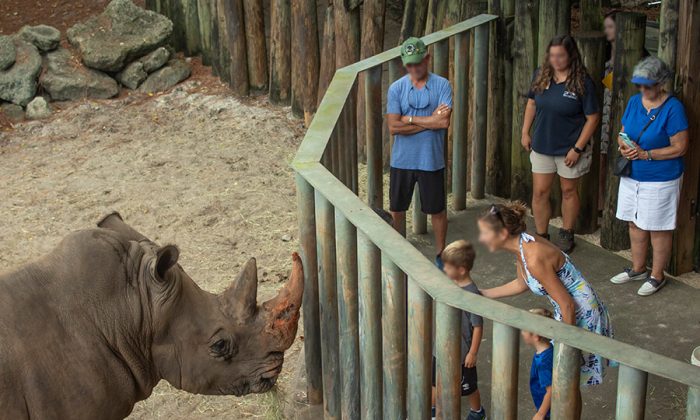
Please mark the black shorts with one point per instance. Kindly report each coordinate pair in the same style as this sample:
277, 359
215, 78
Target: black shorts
469, 379
431, 185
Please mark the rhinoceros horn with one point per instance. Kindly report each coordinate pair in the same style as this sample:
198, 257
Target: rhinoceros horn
241, 297
282, 311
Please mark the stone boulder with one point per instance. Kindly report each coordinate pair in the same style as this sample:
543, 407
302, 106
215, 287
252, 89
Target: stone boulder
122, 33
67, 79
7, 52
18, 82
38, 109
132, 75
155, 60
44, 37
12, 112
176, 71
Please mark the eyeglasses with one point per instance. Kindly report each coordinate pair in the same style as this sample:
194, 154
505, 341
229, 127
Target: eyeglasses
418, 100
497, 212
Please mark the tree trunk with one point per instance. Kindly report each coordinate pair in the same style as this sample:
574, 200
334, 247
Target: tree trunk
629, 47
524, 62
305, 60
280, 52
255, 44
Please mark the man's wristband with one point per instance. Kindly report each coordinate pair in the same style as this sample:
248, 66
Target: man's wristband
577, 150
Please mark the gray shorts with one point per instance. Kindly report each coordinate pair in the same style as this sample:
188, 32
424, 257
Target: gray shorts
546, 164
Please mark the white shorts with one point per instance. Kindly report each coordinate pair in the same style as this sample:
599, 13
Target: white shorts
652, 206
546, 164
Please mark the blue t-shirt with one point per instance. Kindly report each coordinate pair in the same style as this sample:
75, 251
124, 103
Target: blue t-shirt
560, 116
425, 150
670, 121
541, 375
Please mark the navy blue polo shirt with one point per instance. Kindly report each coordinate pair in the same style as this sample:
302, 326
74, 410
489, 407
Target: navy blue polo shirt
560, 116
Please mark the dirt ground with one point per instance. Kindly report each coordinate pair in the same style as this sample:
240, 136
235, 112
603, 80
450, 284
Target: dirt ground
195, 167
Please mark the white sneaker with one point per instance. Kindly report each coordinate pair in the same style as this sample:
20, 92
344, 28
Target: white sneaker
651, 286
628, 275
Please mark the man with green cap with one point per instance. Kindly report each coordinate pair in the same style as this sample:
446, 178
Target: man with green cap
418, 114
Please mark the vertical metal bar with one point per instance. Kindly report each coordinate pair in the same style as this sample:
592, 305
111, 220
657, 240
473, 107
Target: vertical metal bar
370, 305
565, 382
420, 220
373, 134
481, 70
504, 372
459, 132
447, 354
312, 335
693, 405
631, 393
346, 254
393, 339
420, 326
328, 300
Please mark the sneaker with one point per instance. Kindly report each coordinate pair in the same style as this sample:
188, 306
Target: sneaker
651, 286
432, 413
629, 275
477, 415
565, 242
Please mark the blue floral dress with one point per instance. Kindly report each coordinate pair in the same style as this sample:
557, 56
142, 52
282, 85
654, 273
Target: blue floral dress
591, 313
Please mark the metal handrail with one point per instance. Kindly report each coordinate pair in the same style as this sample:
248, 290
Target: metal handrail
418, 268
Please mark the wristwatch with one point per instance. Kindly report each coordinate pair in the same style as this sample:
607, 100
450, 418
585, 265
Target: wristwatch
649, 157
577, 150
410, 120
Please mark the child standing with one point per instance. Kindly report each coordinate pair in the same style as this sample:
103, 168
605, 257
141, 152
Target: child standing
541, 370
458, 258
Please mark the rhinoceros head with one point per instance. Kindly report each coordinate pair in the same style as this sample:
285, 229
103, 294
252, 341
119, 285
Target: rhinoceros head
214, 344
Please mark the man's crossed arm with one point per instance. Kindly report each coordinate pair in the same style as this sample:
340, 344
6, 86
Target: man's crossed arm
403, 124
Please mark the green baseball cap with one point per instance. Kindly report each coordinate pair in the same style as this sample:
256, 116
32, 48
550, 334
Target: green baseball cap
413, 50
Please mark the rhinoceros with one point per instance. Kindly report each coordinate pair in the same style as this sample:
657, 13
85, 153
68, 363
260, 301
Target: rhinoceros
89, 329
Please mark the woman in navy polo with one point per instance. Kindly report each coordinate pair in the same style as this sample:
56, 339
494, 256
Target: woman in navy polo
648, 198
563, 106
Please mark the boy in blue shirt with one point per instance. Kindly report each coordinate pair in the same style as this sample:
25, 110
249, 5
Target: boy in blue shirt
541, 370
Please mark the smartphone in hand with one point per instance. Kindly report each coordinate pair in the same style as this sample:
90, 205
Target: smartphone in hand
627, 140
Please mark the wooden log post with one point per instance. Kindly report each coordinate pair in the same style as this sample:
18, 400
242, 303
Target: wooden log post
372, 43
524, 62
504, 372
235, 30
305, 59
327, 64
629, 47
453, 10
459, 131
223, 61
280, 52
554, 19
480, 76
215, 50
420, 327
592, 47
173, 9
693, 404
447, 355
193, 42
668, 32
498, 135
373, 134
415, 13
591, 15
566, 376
312, 327
204, 16
255, 44
688, 67
631, 394
393, 339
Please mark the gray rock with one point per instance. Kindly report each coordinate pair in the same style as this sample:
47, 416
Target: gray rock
44, 37
176, 71
13, 112
38, 108
18, 83
122, 33
7, 52
132, 75
66, 79
155, 60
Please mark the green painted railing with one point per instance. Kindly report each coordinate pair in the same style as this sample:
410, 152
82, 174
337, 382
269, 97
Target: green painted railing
369, 294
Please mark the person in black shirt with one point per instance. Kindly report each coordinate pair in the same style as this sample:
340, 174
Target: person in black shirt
564, 109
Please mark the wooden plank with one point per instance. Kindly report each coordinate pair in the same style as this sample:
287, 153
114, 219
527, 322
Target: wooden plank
281, 52
688, 70
305, 60
629, 48
255, 44
524, 62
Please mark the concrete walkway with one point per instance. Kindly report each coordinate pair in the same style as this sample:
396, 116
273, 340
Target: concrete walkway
667, 323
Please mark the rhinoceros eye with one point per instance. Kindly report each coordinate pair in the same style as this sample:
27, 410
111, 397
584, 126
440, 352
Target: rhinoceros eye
219, 347
222, 349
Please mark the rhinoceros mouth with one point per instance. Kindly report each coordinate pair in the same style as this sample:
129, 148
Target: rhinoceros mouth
264, 383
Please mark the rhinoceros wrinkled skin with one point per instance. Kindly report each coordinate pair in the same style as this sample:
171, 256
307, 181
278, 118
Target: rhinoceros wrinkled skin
89, 329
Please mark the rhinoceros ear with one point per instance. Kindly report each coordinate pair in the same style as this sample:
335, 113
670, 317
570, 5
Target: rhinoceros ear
240, 299
166, 258
114, 221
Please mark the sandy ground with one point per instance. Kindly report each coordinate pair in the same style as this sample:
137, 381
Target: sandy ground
199, 169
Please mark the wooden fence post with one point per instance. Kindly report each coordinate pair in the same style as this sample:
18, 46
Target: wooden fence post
524, 61
565, 382
591, 15
255, 43
459, 126
668, 32
631, 394
629, 46
223, 60
305, 60
204, 16
504, 372
238, 61
554, 19
393, 339
193, 42
688, 69
480, 76
280, 52
447, 355
327, 69
420, 327
592, 47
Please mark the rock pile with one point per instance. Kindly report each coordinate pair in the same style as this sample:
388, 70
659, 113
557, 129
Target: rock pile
124, 45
